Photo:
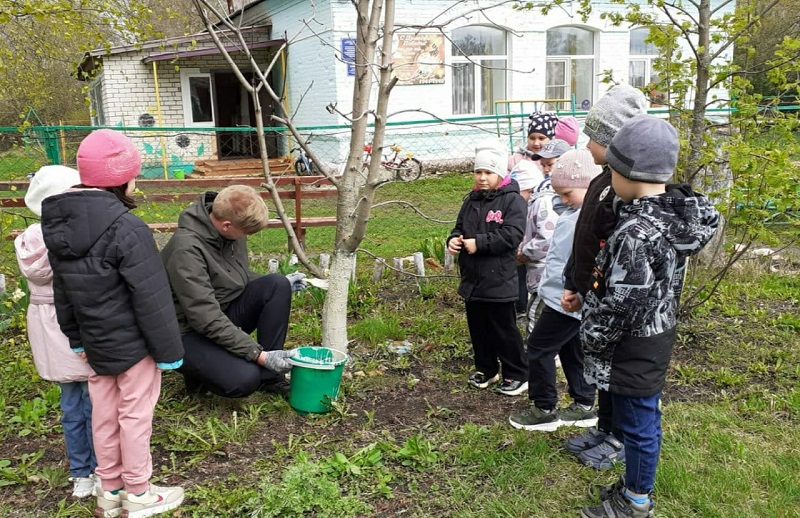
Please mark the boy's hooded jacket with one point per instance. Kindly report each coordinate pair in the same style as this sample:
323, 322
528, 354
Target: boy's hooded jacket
208, 272
630, 313
111, 292
496, 220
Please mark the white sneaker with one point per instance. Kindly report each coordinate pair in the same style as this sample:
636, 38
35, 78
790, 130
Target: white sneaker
109, 505
82, 486
155, 500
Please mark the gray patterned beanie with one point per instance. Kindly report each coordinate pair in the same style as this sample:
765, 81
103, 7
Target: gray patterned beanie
608, 114
544, 123
645, 149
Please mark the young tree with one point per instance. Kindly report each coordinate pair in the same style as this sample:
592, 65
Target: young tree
356, 186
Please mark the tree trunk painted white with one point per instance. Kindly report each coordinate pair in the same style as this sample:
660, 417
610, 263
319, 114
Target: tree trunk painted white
334, 311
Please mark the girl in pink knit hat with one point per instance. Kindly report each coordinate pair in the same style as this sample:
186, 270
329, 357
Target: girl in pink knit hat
114, 304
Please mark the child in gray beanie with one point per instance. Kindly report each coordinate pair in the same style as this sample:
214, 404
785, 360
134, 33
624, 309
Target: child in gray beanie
612, 110
598, 447
630, 313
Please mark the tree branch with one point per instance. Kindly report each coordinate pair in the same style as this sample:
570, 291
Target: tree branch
414, 208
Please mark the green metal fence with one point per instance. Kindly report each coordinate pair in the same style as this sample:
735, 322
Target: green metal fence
171, 152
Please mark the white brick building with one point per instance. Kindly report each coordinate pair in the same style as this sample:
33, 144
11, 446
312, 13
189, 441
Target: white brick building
454, 59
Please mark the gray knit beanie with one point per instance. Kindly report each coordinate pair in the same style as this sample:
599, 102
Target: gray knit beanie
612, 110
645, 149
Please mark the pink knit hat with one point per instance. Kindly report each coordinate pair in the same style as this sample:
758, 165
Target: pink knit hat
107, 158
567, 129
574, 169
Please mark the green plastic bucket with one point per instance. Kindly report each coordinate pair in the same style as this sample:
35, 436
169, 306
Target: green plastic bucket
316, 376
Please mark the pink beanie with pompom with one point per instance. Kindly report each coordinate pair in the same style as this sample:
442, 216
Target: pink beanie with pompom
107, 158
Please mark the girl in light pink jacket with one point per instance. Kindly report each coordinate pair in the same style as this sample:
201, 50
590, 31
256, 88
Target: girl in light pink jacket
52, 354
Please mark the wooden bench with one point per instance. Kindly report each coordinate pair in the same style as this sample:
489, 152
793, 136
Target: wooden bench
289, 187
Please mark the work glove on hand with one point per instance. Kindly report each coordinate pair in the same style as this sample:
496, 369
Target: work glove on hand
296, 280
277, 361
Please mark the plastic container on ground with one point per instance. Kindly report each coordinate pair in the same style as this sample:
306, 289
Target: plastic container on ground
315, 380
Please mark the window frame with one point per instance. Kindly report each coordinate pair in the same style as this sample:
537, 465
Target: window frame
648, 59
570, 65
479, 70
186, 98
98, 116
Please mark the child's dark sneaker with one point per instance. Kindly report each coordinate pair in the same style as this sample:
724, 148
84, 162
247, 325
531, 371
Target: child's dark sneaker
618, 505
536, 419
512, 387
481, 380
603, 456
603, 492
577, 414
585, 441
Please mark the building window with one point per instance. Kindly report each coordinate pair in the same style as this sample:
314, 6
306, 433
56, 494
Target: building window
198, 98
641, 72
96, 99
570, 66
479, 62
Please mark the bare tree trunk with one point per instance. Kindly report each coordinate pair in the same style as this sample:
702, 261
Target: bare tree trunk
354, 203
697, 125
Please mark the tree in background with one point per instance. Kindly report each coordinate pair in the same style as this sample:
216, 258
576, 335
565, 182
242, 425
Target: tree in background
755, 55
42, 42
743, 159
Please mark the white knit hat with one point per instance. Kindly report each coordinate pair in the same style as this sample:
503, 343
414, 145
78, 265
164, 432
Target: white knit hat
527, 175
491, 155
48, 181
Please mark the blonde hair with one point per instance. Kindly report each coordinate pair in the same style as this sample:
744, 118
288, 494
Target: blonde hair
242, 206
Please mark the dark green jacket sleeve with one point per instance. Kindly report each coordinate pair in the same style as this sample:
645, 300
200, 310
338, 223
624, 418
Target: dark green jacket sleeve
193, 292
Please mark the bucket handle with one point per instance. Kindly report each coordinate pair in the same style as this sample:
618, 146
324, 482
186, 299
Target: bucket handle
317, 366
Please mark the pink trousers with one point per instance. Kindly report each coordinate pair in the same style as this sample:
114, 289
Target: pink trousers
122, 422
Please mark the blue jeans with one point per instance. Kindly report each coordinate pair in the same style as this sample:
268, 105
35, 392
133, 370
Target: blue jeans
639, 419
76, 420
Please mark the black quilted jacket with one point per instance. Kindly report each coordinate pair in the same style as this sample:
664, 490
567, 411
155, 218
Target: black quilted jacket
111, 293
496, 220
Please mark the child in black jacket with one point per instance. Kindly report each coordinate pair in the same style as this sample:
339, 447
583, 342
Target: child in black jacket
489, 229
630, 312
113, 302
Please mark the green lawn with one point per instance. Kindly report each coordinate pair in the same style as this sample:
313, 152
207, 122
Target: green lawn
408, 437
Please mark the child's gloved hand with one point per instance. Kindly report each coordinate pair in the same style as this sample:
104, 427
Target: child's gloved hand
277, 361
296, 280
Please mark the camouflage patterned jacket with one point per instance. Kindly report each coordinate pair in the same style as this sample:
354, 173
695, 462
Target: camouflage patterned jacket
630, 312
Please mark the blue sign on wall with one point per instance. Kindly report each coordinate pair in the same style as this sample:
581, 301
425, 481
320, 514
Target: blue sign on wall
349, 55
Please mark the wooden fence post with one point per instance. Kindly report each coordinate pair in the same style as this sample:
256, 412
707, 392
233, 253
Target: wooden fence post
377, 272
448, 262
419, 263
